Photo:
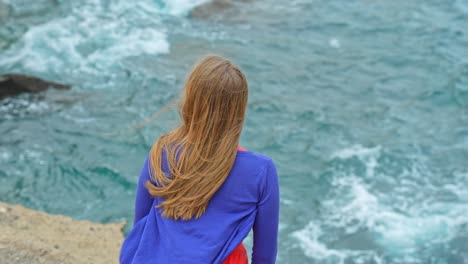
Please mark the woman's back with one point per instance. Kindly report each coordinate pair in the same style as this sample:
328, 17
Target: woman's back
199, 195
248, 198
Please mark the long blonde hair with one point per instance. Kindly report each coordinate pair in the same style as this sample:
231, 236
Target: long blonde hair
202, 150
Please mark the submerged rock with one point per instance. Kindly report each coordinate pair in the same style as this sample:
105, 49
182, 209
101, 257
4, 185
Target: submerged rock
13, 84
223, 11
4, 11
28, 236
214, 8
209, 8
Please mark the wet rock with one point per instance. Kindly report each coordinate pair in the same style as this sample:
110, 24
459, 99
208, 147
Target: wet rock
212, 7
223, 11
14, 84
4, 11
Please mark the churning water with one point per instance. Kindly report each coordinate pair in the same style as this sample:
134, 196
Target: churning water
363, 105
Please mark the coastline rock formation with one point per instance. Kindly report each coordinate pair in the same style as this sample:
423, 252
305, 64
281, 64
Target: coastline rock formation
214, 8
28, 236
14, 84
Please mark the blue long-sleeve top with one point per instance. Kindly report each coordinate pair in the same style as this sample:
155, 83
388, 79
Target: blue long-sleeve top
249, 198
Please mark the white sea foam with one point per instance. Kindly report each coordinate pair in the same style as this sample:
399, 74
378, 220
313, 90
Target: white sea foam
334, 43
399, 232
22, 106
5, 155
367, 155
181, 7
401, 228
86, 40
94, 36
309, 238
356, 151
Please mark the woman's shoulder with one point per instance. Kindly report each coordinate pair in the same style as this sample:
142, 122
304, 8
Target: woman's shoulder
257, 168
254, 158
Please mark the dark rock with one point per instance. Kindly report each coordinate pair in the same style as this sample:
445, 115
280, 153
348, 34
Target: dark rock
4, 11
206, 10
223, 11
13, 84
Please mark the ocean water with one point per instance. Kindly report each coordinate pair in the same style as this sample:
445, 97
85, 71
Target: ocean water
363, 105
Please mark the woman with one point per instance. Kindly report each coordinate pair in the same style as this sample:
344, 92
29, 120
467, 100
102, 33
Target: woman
199, 194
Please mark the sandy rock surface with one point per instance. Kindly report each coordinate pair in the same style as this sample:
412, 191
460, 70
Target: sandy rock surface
28, 236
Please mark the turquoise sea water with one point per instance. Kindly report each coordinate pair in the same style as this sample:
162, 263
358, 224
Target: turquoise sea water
363, 105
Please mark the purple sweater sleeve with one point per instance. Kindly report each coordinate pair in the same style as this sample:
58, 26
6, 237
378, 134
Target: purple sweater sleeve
266, 222
144, 200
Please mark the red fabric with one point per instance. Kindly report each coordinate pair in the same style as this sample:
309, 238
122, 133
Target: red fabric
239, 255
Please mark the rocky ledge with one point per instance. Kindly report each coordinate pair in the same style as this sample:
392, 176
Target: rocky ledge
28, 236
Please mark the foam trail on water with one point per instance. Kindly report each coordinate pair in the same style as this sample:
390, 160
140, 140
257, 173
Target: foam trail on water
309, 238
399, 232
334, 43
22, 105
94, 36
403, 219
367, 155
181, 7
88, 39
